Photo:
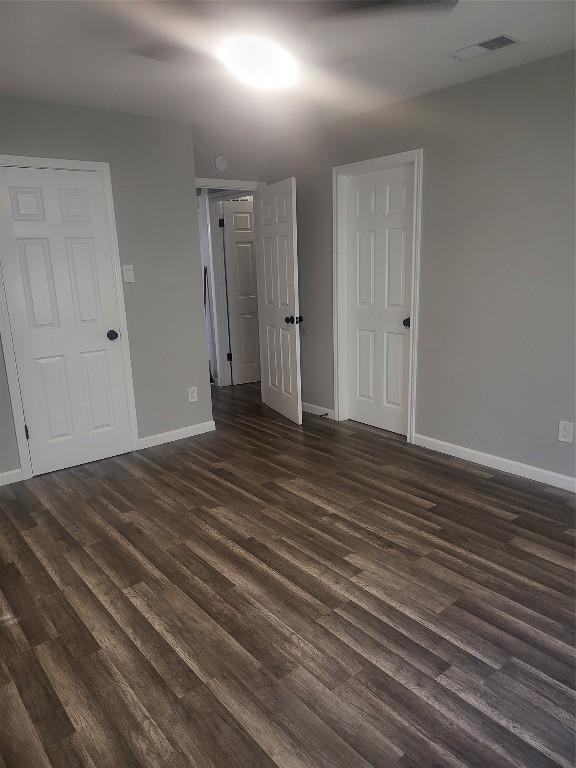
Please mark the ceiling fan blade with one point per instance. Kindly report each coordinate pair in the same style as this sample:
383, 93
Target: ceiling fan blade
351, 7
300, 10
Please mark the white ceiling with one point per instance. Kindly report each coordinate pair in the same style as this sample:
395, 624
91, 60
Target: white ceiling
81, 53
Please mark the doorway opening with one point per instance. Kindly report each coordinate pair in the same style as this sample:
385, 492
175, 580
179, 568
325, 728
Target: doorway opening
250, 269
377, 213
226, 226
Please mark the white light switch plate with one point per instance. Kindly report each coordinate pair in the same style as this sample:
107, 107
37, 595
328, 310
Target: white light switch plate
566, 432
128, 273
192, 394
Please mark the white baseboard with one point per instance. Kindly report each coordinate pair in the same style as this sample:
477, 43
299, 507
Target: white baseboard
176, 434
498, 462
317, 410
13, 476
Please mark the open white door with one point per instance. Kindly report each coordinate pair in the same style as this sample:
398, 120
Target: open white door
241, 290
278, 306
65, 307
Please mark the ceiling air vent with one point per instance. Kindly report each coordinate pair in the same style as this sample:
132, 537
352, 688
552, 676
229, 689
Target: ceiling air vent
486, 46
495, 43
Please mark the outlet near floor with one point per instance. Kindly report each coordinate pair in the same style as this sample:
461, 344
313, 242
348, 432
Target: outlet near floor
192, 394
566, 432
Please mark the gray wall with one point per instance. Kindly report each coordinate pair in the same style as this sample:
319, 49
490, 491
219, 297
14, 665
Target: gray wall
496, 354
244, 149
152, 167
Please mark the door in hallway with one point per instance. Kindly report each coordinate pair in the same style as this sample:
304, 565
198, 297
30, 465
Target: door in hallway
241, 284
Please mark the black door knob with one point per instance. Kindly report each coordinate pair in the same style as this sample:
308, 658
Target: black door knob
112, 335
406, 322
289, 320
299, 319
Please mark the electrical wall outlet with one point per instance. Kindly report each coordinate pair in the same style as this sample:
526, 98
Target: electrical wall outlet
192, 394
566, 432
128, 273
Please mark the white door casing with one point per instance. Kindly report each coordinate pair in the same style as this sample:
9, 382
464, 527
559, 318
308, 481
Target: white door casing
63, 293
206, 261
380, 232
241, 283
277, 269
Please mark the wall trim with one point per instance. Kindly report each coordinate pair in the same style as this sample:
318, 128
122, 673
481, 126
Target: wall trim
216, 266
565, 482
318, 410
538, 474
13, 476
242, 185
176, 434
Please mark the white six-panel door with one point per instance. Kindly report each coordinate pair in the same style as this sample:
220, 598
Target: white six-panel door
278, 305
241, 284
57, 258
379, 296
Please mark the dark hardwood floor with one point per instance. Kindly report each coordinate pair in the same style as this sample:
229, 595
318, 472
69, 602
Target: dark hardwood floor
269, 595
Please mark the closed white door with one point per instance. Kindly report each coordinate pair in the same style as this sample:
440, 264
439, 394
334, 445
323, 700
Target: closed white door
379, 290
241, 285
278, 306
58, 267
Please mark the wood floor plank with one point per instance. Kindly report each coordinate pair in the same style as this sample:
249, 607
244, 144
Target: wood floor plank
272, 595
42, 704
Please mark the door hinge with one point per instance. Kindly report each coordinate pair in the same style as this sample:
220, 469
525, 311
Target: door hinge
229, 357
221, 223
26, 432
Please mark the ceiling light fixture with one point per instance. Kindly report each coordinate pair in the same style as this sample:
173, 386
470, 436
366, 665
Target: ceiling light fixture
259, 62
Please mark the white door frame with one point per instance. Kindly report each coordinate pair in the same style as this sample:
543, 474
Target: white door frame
216, 276
229, 184
340, 176
42, 163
